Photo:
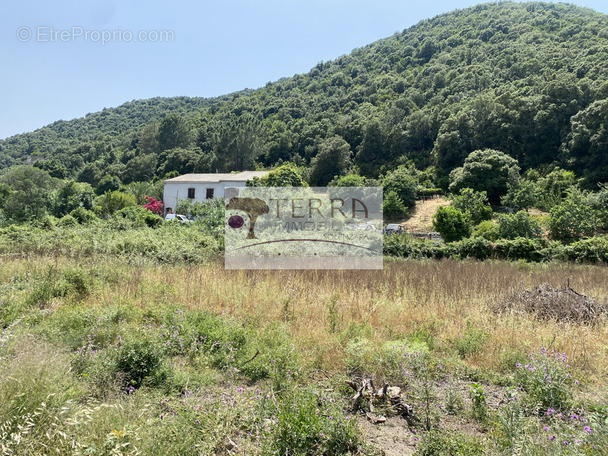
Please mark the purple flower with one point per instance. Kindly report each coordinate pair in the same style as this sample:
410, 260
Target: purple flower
546, 428
518, 365
587, 429
552, 438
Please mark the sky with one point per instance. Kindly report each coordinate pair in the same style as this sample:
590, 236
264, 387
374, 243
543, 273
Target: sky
62, 59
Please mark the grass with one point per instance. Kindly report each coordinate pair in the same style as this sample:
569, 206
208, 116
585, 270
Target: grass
104, 355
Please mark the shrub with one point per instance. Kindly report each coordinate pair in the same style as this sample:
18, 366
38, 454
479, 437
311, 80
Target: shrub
451, 223
546, 379
473, 204
471, 341
141, 362
310, 423
66, 221
83, 216
477, 248
573, 218
392, 205
487, 230
511, 226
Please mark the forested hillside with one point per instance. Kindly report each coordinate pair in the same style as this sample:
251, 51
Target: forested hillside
527, 79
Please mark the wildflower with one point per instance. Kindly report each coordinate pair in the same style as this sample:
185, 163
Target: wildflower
587, 429
549, 411
546, 428
552, 438
518, 365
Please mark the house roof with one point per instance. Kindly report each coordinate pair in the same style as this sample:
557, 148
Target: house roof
214, 178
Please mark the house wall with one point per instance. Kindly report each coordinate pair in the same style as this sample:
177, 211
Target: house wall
175, 192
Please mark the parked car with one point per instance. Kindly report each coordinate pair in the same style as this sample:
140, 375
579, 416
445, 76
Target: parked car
178, 218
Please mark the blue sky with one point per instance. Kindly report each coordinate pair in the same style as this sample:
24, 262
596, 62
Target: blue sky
55, 65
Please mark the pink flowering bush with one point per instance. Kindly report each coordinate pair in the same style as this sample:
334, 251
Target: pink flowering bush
154, 205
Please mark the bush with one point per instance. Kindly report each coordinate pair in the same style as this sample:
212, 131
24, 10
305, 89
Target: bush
139, 216
487, 230
451, 223
473, 204
477, 247
83, 216
511, 226
310, 423
67, 220
142, 363
573, 218
547, 380
393, 205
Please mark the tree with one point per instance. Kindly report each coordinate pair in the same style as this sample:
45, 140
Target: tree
173, 132
108, 203
574, 217
332, 160
473, 204
486, 170
523, 195
286, 175
108, 184
392, 205
183, 161
372, 152
350, 180
30, 193
403, 183
90, 173
511, 226
72, 195
451, 223
141, 168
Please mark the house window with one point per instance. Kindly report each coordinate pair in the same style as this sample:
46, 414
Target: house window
191, 193
209, 193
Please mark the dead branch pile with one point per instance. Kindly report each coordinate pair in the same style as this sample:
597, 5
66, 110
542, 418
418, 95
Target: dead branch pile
386, 396
560, 304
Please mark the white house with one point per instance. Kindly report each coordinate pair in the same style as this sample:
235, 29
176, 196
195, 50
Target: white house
201, 187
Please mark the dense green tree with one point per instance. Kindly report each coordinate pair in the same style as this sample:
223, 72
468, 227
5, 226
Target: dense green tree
350, 180
30, 193
141, 168
402, 182
473, 204
70, 196
332, 160
452, 224
392, 205
486, 170
174, 131
523, 195
511, 226
574, 217
108, 183
287, 175
372, 152
108, 203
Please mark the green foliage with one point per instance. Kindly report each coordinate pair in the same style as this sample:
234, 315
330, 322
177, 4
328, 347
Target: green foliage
486, 170
29, 196
108, 184
350, 180
473, 204
523, 195
310, 423
511, 226
452, 224
547, 380
402, 182
487, 230
108, 203
440, 442
392, 205
139, 216
287, 175
332, 160
140, 362
574, 217
471, 341
479, 404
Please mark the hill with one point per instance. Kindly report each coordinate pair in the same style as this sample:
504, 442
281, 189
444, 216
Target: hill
528, 79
